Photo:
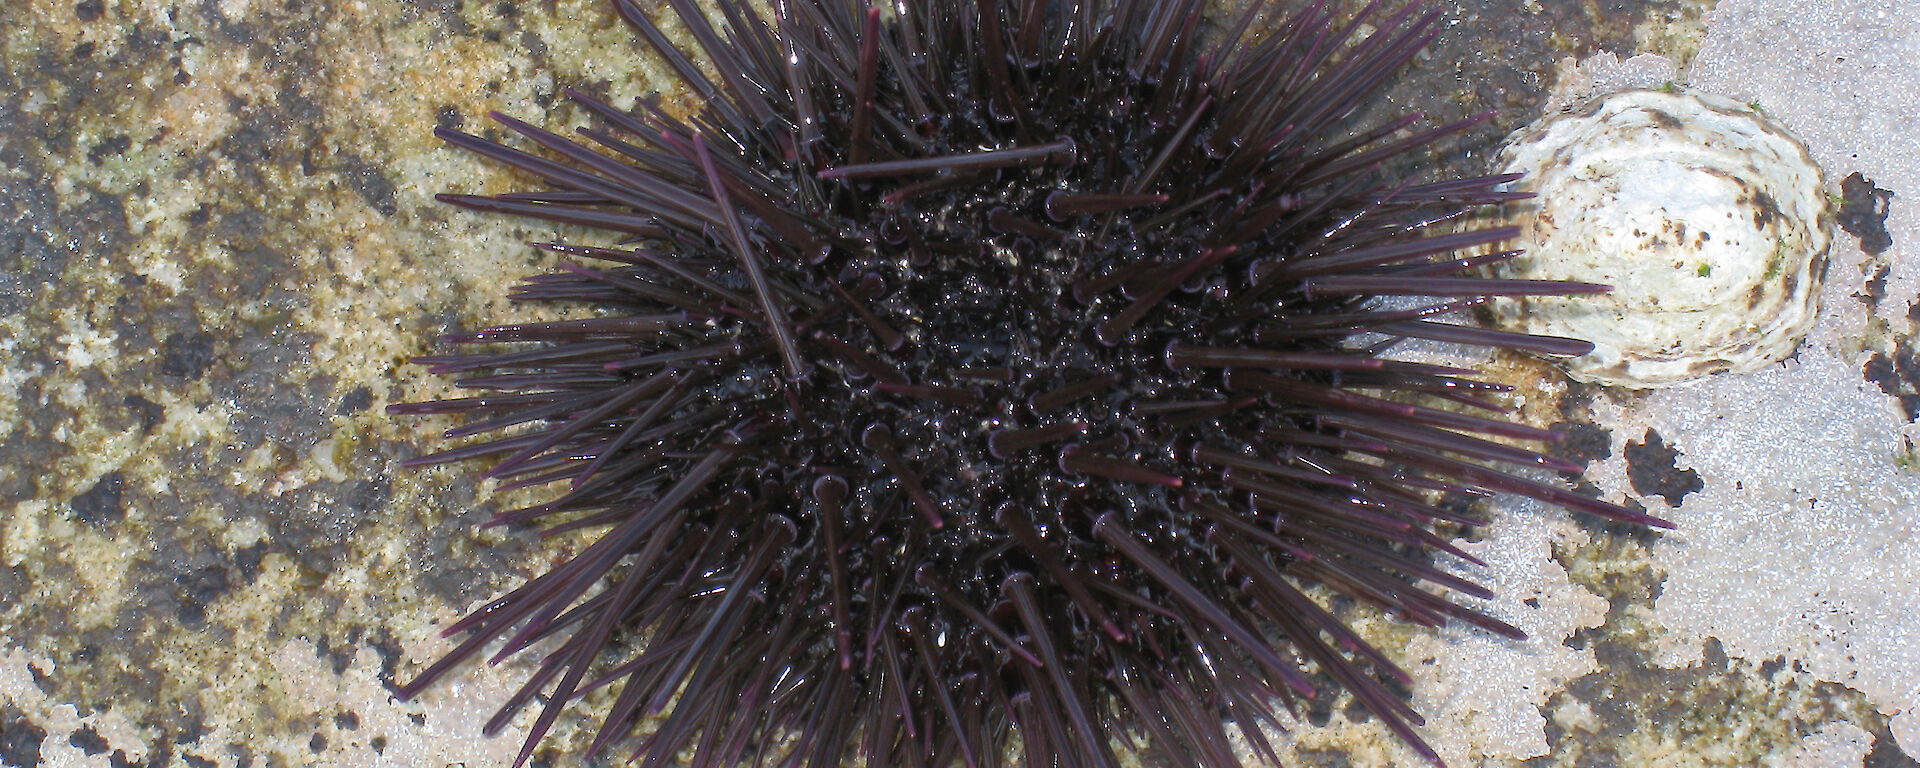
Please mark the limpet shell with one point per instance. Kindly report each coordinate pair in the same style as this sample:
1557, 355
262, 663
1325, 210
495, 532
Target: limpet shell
1706, 217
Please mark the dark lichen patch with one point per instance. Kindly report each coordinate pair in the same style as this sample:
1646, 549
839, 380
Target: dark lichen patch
167, 609
111, 146
32, 255
372, 186
262, 134
88, 740
20, 739
1633, 709
314, 526
536, 47
338, 655
189, 723
258, 253
270, 408
1898, 374
188, 355
1639, 533
146, 413
198, 588
1319, 711
1876, 286
1863, 213
1886, 753
34, 443
1651, 470
1619, 713
1583, 442
1639, 708
101, 504
1616, 565
1576, 404
355, 400
452, 564
133, 335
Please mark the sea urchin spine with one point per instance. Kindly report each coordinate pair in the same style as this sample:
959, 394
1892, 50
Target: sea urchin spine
987, 368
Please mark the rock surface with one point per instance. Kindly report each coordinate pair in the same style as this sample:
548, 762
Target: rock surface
219, 247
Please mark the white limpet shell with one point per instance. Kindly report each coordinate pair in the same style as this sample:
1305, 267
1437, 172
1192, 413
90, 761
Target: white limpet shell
1706, 218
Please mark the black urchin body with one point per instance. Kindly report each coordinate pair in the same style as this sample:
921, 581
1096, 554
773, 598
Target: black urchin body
981, 369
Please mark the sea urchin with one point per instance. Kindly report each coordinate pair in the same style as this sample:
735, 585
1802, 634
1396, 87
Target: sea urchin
987, 369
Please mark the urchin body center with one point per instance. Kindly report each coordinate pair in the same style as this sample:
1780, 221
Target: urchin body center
981, 330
